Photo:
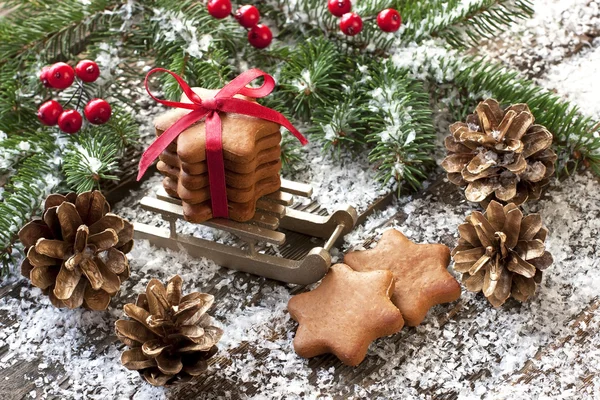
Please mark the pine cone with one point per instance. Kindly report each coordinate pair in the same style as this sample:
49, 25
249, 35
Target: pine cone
501, 253
76, 252
170, 336
500, 154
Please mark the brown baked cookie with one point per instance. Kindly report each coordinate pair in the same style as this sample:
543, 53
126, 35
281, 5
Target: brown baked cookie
264, 156
240, 212
266, 147
240, 132
232, 179
171, 159
167, 119
169, 189
167, 170
240, 137
420, 272
197, 213
267, 185
344, 314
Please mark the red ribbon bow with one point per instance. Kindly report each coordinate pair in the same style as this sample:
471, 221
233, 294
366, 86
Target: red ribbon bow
209, 109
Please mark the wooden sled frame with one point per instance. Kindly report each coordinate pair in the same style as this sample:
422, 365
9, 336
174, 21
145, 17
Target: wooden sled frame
273, 212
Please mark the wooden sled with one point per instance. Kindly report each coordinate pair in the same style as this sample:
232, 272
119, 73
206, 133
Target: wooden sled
281, 242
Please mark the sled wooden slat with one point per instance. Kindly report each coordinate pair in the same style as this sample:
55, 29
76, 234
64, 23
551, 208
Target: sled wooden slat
299, 189
245, 231
279, 197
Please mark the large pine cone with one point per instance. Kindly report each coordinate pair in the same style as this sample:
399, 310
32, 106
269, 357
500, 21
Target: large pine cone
501, 253
170, 335
500, 154
76, 252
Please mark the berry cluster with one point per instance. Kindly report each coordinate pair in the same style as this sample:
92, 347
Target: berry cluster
351, 24
259, 35
61, 76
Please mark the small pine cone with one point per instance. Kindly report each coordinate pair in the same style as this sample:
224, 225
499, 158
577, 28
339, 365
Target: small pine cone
76, 252
170, 336
500, 154
501, 253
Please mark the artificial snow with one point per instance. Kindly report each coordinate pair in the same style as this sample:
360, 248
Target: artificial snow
467, 349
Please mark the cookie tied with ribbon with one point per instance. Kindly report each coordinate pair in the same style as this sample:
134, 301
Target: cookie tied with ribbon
219, 150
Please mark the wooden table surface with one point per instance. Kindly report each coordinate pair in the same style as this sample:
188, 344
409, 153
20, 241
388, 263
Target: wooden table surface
13, 384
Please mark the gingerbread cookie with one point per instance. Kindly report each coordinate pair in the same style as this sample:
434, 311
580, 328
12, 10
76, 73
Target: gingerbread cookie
345, 314
420, 272
201, 212
167, 170
268, 142
263, 156
240, 212
167, 119
232, 179
240, 136
265, 186
239, 132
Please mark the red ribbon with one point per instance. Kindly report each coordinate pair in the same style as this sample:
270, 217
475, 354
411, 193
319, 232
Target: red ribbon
209, 109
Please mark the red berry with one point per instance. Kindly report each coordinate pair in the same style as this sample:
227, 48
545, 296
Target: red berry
247, 16
49, 112
61, 75
351, 24
97, 111
44, 76
389, 20
339, 7
260, 36
87, 70
70, 121
219, 8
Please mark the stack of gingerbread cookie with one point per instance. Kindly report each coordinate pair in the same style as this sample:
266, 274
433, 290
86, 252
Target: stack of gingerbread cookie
252, 155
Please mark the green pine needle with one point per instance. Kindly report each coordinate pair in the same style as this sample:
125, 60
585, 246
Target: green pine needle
90, 160
403, 134
313, 77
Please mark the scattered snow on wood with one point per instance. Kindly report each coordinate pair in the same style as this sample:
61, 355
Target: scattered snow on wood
476, 354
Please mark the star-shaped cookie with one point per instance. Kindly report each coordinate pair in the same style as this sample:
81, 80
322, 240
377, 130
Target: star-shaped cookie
345, 314
420, 273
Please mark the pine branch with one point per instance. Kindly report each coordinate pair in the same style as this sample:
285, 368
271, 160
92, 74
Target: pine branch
93, 154
60, 31
213, 72
18, 108
290, 152
121, 129
345, 124
36, 178
463, 24
576, 137
403, 134
16, 148
90, 160
313, 77
342, 126
170, 28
